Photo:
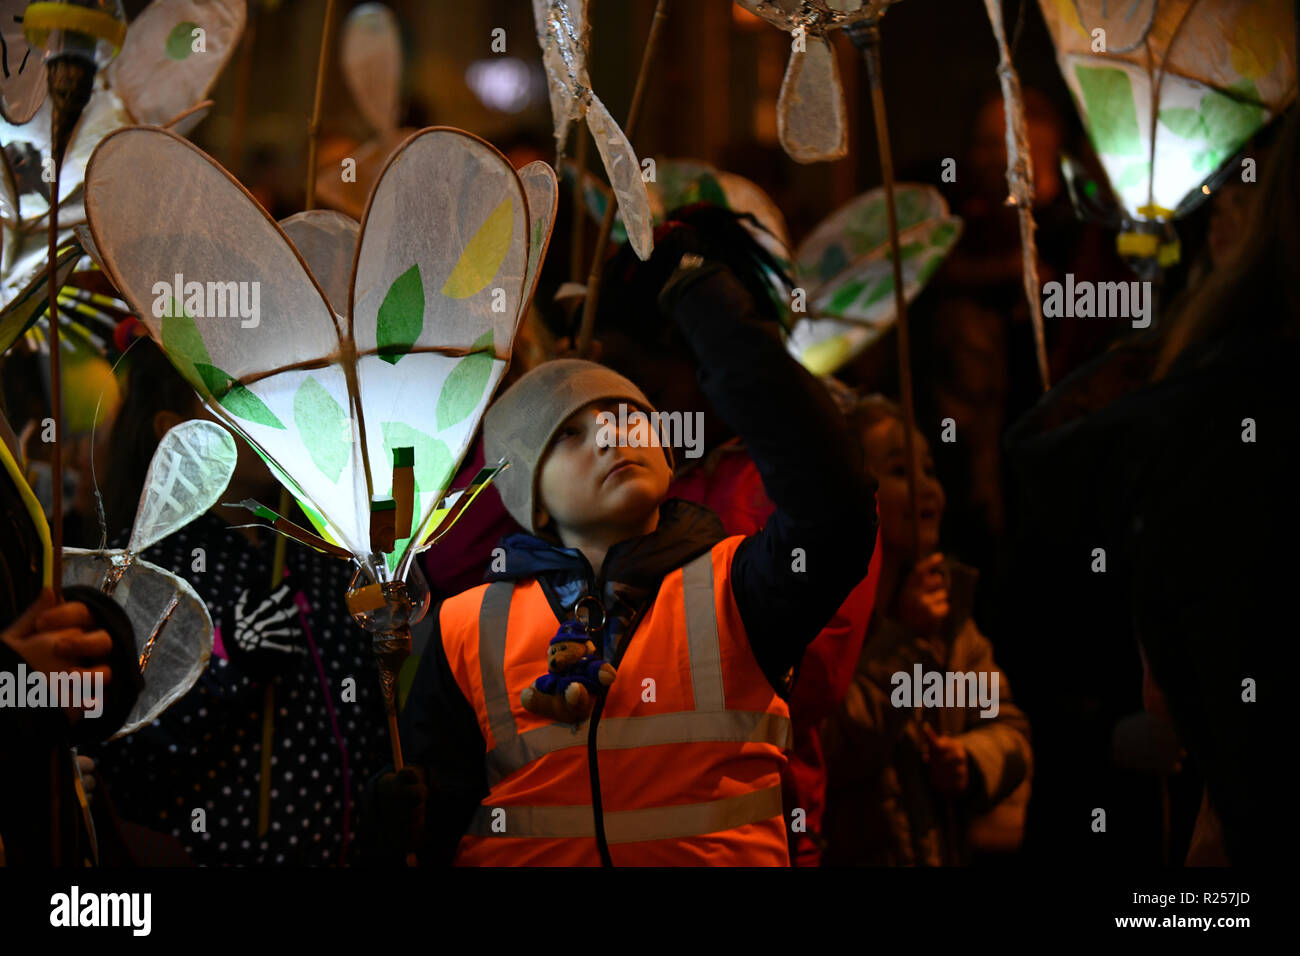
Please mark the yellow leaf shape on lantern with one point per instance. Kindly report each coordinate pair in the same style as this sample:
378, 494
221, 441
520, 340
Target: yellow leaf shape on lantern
1257, 38
483, 255
1067, 12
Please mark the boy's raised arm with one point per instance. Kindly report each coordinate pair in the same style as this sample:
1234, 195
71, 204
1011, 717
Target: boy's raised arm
789, 578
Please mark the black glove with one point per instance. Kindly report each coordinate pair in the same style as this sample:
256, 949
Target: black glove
262, 632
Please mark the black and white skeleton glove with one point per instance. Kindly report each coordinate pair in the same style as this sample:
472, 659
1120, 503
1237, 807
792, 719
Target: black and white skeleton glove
262, 633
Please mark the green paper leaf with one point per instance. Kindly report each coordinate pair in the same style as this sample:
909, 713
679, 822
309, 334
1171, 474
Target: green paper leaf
710, 190
235, 398
1184, 122
942, 234
401, 316
926, 271
1228, 122
183, 343
465, 385
911, 250
881, 289
323, 426
844, 296
1134, 174
833, 260
1110, 113
180, 42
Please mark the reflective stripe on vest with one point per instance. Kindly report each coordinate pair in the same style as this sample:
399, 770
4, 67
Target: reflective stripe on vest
710, 722
630, 826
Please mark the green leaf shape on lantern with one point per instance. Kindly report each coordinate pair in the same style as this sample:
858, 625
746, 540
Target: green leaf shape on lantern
708, 189
870, 228
1184, 122
910, 207
942, 234
401, 316
1133, 175
833, 260
881, 289
180, 42
466, 384
324, 427
845, 296
1110, 110
926, 271
234, 397
433, 461
183, 343
910, 251
1228, 122
483, 254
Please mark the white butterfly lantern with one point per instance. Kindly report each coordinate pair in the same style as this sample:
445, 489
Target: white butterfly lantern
173, 632
362, 397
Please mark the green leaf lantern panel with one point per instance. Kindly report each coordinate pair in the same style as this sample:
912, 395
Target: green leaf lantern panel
681, 182
346, 342
1204, 77
846, 269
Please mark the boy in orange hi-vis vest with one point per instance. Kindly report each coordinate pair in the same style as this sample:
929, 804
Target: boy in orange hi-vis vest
679, 760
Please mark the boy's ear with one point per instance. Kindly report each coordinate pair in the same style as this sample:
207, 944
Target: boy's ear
541, 517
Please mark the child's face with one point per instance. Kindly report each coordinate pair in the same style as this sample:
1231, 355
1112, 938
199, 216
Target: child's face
586, 488
886, 460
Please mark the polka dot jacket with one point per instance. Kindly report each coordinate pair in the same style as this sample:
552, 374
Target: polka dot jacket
205, 751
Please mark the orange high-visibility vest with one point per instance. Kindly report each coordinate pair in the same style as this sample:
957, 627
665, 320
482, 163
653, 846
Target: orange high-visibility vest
691, 739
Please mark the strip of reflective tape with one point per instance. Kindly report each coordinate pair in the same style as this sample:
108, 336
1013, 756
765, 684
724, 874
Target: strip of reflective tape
630, 826
622, 733
493, 620
702, 634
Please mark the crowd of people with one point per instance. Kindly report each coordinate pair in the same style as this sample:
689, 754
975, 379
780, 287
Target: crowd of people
769, 654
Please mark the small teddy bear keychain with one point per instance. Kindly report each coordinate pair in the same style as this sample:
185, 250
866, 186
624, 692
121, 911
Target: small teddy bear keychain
574, 672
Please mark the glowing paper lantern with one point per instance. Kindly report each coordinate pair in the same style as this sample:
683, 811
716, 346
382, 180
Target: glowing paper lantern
846, 268
681, 182
810, 117
1170, 89
157, 79
562, 34
444, 266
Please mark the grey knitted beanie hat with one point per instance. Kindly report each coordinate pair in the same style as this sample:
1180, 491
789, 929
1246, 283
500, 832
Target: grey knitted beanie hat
520, 424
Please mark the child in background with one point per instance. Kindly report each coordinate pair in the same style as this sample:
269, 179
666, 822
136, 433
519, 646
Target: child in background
905, 782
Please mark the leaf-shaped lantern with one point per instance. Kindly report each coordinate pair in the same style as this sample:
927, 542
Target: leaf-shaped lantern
846, 268
562, 33
810, 117
443, 267
1170, 89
